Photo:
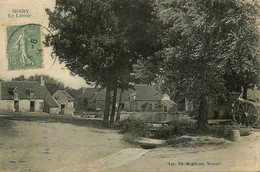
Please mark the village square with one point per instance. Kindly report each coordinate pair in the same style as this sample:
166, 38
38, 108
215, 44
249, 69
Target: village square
43, 130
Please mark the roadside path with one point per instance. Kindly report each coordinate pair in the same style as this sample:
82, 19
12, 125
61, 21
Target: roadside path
115, 160
241, 156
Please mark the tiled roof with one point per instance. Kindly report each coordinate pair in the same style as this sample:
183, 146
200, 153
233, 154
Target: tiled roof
89, 93
142, 92
64, 92
24, 88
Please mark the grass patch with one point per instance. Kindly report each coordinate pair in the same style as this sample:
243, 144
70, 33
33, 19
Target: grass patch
225, 130
179, 141
188, 141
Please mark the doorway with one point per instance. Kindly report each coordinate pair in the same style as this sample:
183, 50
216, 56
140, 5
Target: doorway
32, 106
62, 106
16, 105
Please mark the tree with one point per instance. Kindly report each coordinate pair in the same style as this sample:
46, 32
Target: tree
51, 84
198, 40
243, 64
100, 40
19, 78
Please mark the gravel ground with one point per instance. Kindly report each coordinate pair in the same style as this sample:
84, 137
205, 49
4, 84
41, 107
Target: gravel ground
34, 145
230, 156
44, 143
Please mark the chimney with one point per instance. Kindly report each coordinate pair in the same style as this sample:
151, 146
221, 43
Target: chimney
42, 81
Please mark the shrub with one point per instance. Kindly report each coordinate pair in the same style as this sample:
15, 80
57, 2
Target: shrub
130, 138
245, 131
136, 127
177, 127
165, 132
225, 130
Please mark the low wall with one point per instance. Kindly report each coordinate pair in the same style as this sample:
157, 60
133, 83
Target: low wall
54, 111
151, 116
69, 111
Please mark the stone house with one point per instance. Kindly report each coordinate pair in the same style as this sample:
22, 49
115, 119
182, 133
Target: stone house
141, 98
27, 96
66, 102
87, 98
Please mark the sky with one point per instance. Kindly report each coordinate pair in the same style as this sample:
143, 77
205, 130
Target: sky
37, 15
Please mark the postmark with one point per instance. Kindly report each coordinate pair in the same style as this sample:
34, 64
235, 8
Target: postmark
24, 46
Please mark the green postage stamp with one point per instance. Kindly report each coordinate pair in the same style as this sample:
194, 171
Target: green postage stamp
24, 46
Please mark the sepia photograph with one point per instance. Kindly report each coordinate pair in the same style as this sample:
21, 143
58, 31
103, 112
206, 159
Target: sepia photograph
129, 85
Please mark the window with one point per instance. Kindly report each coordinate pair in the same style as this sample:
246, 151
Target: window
40, 105
165, 108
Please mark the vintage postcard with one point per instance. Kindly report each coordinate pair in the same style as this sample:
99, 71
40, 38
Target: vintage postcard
122, 85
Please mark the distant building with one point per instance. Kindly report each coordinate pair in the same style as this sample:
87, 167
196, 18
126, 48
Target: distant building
66, 102
27, 96
141, 98
88, 94
87, 98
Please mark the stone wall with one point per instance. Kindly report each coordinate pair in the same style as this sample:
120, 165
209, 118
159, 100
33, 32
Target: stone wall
138, 106
7, 105
69, 111
24, 105
54, 110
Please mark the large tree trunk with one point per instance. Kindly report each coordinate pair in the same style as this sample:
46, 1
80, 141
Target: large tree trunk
106, 109
119, 106
203, 112
112, 117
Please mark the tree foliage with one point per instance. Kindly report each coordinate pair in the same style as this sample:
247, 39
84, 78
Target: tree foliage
101, 40
19, 78
201, 42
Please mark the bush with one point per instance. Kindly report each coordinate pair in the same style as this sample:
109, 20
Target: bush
180, 127
165, 132
245, 131
130, 138
225, 130
177, 127
136, 127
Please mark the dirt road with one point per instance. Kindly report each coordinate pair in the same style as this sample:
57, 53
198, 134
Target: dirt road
40, 145
43, 145
242, 156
